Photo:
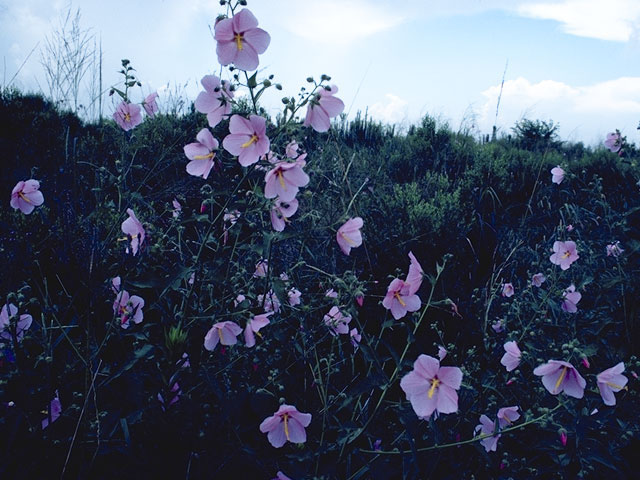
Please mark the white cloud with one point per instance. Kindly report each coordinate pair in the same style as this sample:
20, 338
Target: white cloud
394, 110
339, 22
592, 109
615, 20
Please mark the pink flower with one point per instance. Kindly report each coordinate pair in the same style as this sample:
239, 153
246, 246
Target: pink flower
215, 101
174, 393
563, 438
177, 208
253, 327
415, 275
400, 299
271, 302
294, 297
349, 236
337, 321
55, 409
287, 424
26, 196
565, 253
569, 228
201, 154
507, 415
281, 476
557, 175
284, 180
498, 326
150, 105
128, 116
291, 150
360, 299
487, 427
128, 308
262, 268
240, 41
355, 337
507, 290
538, 279
511, 358
281, 212
609, 381
585, 362
134, 230
247, 139
442, 352
223, 332
6, 329
331, 293
571, 298
614, 250
613, 142
115, 284
558, 376
322, 107
238, 300
430, 387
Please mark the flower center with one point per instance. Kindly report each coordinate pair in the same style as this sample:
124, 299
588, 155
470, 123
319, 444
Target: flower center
220, 334
285, 417
560, 378
238, 37
253, 139
281, 180
434, 384
21, 195
347, 239
204, 157
566, 254
127, 117
397, 295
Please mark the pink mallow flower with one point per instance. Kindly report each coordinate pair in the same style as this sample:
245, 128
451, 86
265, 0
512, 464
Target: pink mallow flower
284, 180
134, 230
201, 154
507, 415
281, 476
487, 427
286, 425
281, 212
291, 150
609, 381
355, 337
511, 358
614, 250
331, 293
150, 105
571, 299
23, 323
430, 387
498, 326
557, 175
223, 332
215, 101
558, 376
177, 208
128, 115
271, 301
507, 290
253, 327
349, 236
321, 107
55, 410
337, 321
128, 308
174, 394
26, 196
538, 279
564, 254
247, 139
240, 41
400, 299
613, 142
294, 296
262, 268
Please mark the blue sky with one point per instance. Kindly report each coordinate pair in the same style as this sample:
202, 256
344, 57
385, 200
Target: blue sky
575, 62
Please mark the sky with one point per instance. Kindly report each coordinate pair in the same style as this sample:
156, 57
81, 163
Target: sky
574, 62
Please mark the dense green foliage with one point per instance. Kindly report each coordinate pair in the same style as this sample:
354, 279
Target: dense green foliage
488, 208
